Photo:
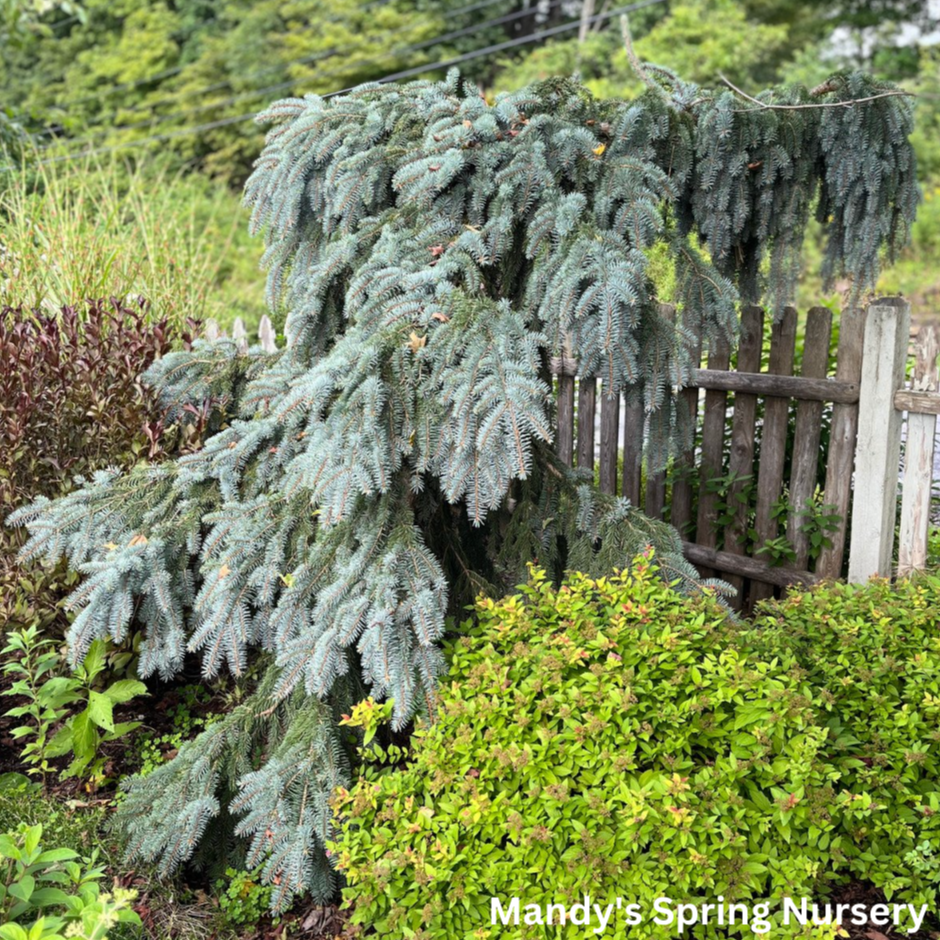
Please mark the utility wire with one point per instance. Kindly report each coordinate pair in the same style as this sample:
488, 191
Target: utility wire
248, 94
405, 73
69, 19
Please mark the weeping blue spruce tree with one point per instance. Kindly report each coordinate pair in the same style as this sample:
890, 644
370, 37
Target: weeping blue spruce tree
435, 250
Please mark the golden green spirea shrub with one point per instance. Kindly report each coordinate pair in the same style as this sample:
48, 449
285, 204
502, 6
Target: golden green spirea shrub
871, 657
612, 738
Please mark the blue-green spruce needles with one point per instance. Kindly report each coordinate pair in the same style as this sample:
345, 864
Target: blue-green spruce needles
435, 250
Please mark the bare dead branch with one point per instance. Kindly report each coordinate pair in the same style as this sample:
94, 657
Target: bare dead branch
822, 104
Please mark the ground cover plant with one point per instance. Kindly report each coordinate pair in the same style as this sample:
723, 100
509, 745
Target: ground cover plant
610, 738
434, 251
50, 891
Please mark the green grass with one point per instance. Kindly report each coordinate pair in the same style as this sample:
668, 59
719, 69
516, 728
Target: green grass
74, 825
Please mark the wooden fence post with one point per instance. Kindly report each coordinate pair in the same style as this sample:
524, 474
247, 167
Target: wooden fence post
878, 449
841, 457
918, 460
773, 443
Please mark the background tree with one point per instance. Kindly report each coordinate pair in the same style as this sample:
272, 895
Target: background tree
191, 73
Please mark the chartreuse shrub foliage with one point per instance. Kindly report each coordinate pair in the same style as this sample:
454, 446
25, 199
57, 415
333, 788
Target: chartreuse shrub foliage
612, 738
434, 251
872, 657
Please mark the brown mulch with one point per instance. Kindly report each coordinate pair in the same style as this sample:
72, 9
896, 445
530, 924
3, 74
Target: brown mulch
195, 918
863, 893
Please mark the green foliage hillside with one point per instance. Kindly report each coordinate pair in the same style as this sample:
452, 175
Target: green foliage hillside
118, 73
185, 77
136, 69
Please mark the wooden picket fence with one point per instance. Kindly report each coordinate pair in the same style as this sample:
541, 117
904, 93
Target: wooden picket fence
867, 398
875, 418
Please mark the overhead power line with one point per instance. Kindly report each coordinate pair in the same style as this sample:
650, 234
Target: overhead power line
395, 76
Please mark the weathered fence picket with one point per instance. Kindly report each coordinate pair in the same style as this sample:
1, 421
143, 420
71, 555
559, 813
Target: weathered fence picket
773, 446
610, 437
267, 338
565, 442
918, 460
266, 335
587, 403
808, 430
878, 446
842, 435
632, 451
240, 335
741, 454
682, 488
656, 479
713, 445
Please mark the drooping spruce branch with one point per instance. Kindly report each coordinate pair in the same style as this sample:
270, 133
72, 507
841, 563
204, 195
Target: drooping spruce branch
435, 250
762, 163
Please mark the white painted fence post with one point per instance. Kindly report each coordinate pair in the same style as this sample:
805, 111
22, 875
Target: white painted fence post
878, 450
918, 460
266, 335
240, 335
